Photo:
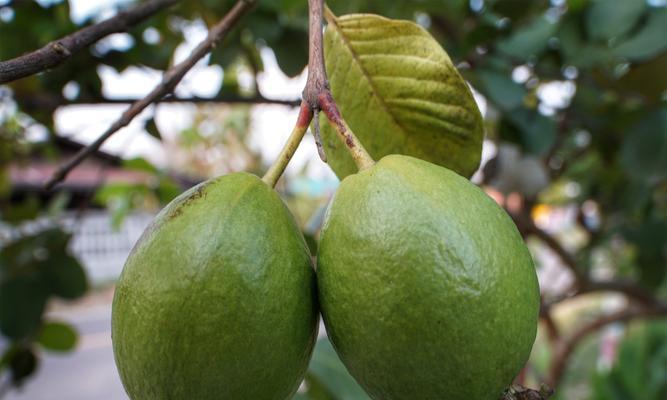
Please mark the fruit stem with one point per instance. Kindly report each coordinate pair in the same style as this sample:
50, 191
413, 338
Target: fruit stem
317, 92
352, 143
275, 172
329, 15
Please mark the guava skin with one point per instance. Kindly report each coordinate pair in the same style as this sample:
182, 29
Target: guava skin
426, 287
217, 299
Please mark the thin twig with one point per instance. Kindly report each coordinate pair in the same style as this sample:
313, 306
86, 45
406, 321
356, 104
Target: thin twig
60, 50
52, 102
170, 79
566, 347
278, 167
628, 288
527, 227
567, 258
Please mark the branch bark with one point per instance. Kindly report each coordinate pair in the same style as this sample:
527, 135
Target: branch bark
49, 102
62, 49
170, 79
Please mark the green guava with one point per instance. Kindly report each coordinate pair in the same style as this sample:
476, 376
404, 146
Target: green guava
217, 299
426, 287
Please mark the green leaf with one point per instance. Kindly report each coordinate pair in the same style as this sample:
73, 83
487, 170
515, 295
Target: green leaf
57, 336
168, 190
529, 40
291, 52
537, 133
641, 368
315, 390
400, 93
607, 19
151, 127
67, 278
644, 151
22, 363
650, 239
649, 41
140, 164
501, 89
22, 303
327, 370
576, 49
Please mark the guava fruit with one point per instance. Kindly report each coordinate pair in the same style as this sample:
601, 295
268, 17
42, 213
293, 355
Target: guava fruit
426, 288
217, 299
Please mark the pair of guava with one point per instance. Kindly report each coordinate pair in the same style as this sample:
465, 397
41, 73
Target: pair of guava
426, 289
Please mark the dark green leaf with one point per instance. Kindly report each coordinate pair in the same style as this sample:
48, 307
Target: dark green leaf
26, 210
140, 164
529, 40
22, 364
167, 190
649, 41
57, 336
501, 89
67, 278
22, 303
536, 133
644, 152
329, 371
152, 129
291, 52
606, 20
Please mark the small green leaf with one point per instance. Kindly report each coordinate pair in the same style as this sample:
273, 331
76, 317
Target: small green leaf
22, 303
644, 151
649, 41
290, 51
67, 278
529, 40
22, 364
57, 336
537, 133
400, 93
140, 164
327, 370
501, 89
606, 20
151, 127
168, 190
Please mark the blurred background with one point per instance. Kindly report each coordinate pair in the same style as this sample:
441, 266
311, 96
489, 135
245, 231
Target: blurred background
574, 95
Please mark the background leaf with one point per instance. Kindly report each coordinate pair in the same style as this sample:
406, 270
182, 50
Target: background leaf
327, 377
57, 336
606, 20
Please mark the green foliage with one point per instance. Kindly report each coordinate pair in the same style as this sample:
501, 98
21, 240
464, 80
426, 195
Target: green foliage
33, 269
640, 369
327, 377
57, 336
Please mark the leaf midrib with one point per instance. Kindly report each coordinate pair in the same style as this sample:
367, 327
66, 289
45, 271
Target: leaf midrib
366, 75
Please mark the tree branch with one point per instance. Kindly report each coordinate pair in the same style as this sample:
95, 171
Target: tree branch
317, 81
60, 50
527, 226
566, 347
170, 79
51, 102
628, 288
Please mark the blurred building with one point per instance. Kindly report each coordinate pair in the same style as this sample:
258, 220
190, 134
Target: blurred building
100, 247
